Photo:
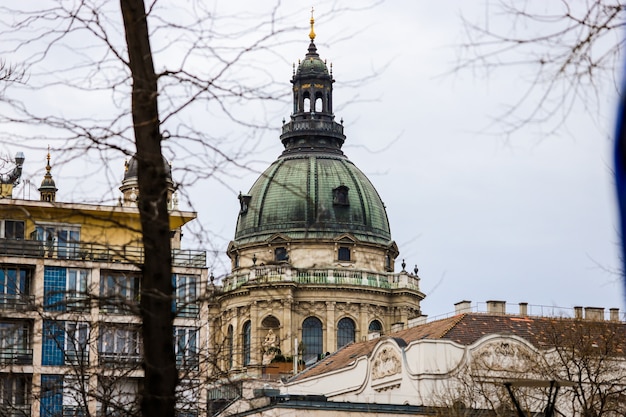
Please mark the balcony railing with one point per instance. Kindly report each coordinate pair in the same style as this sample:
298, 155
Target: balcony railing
187, 310
119, 359
329, 277
16, 302
188, 362
77, 357
12, 410
74, 411
94, 252
16, 356
313, 124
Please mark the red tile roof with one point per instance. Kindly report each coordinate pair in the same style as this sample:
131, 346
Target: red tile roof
466, 329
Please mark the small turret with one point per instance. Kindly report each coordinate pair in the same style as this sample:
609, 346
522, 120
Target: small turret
312, 126
48, 189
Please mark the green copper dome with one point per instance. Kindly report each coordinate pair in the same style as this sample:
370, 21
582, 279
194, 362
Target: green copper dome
313, 196
312, 191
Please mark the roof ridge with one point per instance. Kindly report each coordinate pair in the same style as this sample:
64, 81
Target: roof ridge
457, 318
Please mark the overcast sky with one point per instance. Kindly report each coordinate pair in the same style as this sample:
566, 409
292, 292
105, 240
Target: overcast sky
527, 218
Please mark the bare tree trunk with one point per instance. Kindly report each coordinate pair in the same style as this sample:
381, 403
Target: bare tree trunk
161, 377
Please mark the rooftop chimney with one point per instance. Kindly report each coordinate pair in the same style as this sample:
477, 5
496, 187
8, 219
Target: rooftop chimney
417, 321
594, 313
463, 307
578, 312
614, 314
496, 307
523, 309
396, 327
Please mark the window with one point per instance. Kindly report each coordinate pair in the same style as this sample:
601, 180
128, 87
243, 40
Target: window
280, 254
343, 254
345, 332
77, 286
15, 343
319, 106
247, 339
187, 398
313, 339
13, 229
64, 238
15, 394
186, 344
117, 396
375, 327
77, 343
75, 390
15, 287
119, 345
230, 345
119, 291
186, 295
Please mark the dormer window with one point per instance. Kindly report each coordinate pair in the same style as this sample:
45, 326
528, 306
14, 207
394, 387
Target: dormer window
343, 253
340, 196
244, 203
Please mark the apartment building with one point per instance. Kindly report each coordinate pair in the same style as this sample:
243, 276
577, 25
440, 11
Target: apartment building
70, 280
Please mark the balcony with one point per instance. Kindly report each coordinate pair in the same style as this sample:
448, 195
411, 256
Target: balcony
187, 310
74, 411
326, 277
11, 410
95, 252
16, 356
73, 357
314, 125
188, 362
115, 359
17, 302
77, 304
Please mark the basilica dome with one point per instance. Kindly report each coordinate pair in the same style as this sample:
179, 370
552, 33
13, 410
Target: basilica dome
313, 195
312, 191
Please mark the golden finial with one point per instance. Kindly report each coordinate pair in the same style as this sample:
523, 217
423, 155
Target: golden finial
312, 33
48, 167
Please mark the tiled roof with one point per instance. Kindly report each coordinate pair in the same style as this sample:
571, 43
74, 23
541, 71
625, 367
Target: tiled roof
466, 329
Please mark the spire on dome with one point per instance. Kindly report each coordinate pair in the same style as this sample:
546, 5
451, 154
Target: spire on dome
312, 33
48, 189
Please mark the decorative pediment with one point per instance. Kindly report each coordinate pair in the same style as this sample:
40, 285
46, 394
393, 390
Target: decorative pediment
386, 369
278, 238
504, 355
347, 238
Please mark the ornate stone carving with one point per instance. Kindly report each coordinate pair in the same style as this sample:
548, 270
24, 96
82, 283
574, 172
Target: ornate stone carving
503, 356
386, 363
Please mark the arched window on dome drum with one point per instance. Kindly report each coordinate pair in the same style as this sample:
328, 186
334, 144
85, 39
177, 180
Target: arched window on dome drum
306, 105
280, 254
230, 345
375, 327
345, 332
247, 338
313, 339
